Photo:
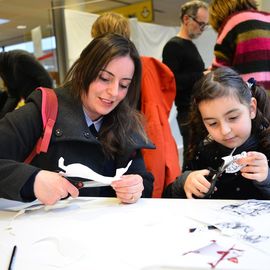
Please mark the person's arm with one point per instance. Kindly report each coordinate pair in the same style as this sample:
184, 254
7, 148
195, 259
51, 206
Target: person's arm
176, 188
19, 131
264, 186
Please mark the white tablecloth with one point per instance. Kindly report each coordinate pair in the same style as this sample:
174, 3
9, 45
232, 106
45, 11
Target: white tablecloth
101, 233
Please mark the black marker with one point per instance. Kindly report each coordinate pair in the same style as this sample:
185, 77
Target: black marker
12, 257
209, 227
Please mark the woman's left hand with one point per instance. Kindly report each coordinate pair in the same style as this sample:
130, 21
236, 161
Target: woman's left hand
256, 166
129, 188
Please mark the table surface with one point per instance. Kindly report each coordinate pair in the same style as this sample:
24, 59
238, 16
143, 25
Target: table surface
102, 233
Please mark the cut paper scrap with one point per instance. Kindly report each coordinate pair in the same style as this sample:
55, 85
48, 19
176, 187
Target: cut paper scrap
52, 252
82, 171
24, 208
234, 167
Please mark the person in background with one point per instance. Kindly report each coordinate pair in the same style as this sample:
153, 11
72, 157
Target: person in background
21, 73
181, 55
111, 22
243, 41
101, 88
227, 113
156, 100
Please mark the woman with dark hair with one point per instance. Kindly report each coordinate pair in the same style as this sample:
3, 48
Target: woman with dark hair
101, 89
21, 73
228, 115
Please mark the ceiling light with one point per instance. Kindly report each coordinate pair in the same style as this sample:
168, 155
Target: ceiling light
2, 21
21, 26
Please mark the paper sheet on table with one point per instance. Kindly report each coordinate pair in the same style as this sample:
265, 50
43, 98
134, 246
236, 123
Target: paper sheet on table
51, 252
16, 206
82, 171
248, 221
215, 252
10, 205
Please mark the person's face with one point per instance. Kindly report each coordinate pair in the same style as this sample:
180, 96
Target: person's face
227, 120
109, 88
197, 24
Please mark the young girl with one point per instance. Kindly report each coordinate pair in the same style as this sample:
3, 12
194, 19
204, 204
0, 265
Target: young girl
227, 113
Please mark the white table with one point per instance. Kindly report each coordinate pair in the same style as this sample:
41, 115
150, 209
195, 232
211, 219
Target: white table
101, 233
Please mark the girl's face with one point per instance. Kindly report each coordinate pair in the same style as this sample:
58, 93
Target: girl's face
109, 88
227, 120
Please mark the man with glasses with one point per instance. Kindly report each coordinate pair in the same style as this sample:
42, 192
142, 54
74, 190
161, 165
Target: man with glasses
182, 56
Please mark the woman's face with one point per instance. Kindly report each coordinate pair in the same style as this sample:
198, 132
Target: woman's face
227, 120
109, 88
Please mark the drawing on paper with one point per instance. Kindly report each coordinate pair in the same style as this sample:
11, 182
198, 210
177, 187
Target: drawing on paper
249, 208
247, 211
243, 230
218, 253
240, 227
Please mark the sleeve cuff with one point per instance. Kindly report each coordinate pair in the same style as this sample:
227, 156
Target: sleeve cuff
27, 191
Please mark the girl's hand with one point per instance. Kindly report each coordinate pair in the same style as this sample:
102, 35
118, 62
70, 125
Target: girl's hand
50, 187
129, 188
196, 184
256, 166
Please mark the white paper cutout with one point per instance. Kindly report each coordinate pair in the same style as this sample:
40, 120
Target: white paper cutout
234, 167
82, 171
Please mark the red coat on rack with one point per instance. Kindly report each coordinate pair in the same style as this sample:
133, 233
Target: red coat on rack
158, 92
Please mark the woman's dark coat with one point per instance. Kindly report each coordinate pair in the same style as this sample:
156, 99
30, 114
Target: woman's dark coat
71, 139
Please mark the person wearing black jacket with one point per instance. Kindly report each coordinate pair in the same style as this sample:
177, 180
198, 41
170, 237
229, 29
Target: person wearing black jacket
21, 73
181, 55
101, 88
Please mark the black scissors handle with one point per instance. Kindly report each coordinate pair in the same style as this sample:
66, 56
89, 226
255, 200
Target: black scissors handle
77, 184
212, 178
85, 183
215, 174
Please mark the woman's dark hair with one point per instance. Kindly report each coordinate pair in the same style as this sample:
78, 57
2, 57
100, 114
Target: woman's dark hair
124, 120
21, 73
224, 82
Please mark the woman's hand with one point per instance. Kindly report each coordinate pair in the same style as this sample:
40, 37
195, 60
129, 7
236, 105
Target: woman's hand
50, 187
129, 188
256, 166
196, 184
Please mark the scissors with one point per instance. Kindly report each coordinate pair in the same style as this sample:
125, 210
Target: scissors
214, 175
84, 183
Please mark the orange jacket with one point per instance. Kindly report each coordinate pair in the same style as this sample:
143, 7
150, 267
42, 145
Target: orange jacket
158, 91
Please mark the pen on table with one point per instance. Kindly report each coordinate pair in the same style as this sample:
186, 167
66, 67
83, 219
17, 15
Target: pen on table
209, 227
12, 257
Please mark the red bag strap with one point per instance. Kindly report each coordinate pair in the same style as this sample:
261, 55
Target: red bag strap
49, 110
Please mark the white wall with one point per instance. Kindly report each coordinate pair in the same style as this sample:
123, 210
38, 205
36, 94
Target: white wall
264, 5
